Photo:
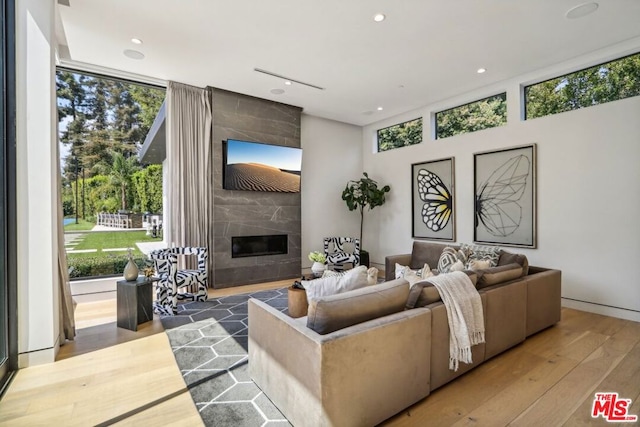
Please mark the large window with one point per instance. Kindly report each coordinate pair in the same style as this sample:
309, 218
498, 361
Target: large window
602, 83
478, 115
110, 201
400, 135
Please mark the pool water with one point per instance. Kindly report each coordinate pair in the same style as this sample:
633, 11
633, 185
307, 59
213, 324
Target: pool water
68, 221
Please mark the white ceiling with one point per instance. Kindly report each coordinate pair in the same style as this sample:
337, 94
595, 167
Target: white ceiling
424, 52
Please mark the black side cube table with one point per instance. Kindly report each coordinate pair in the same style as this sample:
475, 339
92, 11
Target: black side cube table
134, 302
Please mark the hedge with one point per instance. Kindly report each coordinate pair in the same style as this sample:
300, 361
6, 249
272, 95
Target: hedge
102, 266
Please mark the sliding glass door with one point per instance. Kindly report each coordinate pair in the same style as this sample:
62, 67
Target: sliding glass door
8, 287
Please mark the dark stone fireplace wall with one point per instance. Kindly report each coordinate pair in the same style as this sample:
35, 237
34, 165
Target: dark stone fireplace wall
252, 213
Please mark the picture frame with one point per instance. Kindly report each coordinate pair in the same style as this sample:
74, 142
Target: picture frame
433, 200
505, 196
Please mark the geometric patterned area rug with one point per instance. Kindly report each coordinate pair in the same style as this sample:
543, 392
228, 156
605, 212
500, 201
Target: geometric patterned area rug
209, 340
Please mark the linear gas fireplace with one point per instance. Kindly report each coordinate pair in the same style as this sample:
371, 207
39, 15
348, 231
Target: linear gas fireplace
245, 246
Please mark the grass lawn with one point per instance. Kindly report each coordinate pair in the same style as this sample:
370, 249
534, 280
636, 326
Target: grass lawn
106, 263
112, 239
80, 226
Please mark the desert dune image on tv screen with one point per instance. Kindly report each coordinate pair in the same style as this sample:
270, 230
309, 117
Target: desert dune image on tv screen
262, 167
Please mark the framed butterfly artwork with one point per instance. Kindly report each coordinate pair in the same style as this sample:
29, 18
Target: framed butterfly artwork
433, 207
505, 196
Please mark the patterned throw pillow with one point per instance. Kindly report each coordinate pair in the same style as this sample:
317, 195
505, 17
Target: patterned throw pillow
483, 253
449, 257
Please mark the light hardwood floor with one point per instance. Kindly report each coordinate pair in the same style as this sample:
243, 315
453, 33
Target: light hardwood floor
107, 375
548, 380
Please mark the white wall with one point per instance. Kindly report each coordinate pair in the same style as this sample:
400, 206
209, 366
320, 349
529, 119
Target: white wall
588, 188
38, 324
332, 155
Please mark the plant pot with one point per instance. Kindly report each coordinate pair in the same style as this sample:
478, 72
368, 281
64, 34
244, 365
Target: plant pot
364, 258
318, 268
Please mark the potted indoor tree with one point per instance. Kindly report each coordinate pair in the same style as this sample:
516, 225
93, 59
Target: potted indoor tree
361, 194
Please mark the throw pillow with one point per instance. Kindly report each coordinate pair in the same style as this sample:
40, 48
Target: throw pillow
457, 266
333, 284
328, 314
483, 253
332, 273
476, 264
415, 276
372, 275
449, 257
403, 270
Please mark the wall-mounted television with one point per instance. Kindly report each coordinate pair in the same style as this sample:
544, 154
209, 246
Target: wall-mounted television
254, 166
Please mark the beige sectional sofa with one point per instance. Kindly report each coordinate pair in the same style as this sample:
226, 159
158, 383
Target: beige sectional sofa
372, 357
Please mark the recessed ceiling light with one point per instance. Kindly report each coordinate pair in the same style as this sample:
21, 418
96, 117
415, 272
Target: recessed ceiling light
380, 108
581, 10
481, 70
277, 91
379, 17
288, 83
136, 41
133, 54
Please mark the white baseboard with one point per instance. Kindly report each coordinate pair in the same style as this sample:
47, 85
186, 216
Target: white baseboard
38, 357
602, 309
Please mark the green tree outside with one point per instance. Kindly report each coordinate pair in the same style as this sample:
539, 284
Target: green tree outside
400, 135
105, 124
148, 186
102, 194
150, 102
483, 114
121, 172
603, 83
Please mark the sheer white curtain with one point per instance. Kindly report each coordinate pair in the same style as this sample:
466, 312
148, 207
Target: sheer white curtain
189, 193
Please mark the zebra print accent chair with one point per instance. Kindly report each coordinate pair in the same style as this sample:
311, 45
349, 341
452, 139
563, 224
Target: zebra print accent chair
336, 254
172, 279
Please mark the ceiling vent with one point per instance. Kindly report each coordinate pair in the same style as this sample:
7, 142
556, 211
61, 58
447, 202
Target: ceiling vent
289, 79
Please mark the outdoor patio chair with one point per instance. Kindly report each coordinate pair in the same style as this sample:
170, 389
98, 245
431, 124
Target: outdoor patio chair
173, 282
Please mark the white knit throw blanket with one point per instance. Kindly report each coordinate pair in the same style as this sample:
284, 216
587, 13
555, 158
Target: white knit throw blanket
464, 313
